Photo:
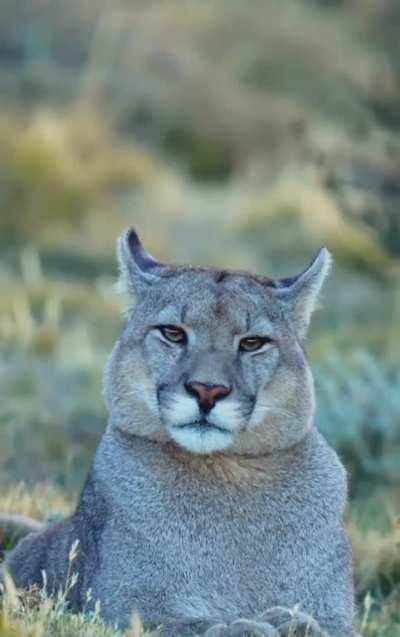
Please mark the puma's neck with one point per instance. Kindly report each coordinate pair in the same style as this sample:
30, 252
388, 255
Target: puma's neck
225, 468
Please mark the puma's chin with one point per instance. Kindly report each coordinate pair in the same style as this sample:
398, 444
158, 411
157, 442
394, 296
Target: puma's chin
201, 438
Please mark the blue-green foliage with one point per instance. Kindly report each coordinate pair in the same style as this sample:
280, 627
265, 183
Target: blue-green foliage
359, 412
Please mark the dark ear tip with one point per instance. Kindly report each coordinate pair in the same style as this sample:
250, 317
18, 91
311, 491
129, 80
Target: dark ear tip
132, 239
132, 248
132, 242
129, 243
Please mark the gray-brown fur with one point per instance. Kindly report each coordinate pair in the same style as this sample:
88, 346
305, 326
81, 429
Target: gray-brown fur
232, 515
13, 527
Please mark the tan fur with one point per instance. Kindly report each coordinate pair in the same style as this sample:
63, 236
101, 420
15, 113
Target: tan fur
239, 470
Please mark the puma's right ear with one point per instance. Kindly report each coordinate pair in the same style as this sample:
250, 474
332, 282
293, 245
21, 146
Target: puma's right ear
300, 293
138, 269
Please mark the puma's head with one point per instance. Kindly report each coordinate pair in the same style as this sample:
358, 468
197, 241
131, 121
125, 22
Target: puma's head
211, 359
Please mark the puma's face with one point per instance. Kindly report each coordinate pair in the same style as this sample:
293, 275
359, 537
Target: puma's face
211, 359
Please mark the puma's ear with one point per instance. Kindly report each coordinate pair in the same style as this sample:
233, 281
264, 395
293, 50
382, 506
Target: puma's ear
300, 293
138, 269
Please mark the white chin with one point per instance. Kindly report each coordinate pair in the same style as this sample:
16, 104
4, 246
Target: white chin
202, 441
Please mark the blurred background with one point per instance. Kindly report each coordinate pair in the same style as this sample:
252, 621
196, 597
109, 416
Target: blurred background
228, 133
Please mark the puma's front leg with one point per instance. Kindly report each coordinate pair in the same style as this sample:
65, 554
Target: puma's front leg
236, 628
275, 622
292, 623
242, 628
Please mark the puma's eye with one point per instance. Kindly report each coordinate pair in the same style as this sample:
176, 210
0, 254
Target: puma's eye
253, 343
173, 333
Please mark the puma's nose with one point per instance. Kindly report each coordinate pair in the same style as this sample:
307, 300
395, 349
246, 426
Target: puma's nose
207, 395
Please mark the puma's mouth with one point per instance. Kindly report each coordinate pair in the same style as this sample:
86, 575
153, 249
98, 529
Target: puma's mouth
201, 436
202, 426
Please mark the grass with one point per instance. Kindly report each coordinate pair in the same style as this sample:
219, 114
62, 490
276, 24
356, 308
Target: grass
34, 614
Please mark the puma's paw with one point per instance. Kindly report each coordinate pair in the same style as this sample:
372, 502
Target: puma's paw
292, 623
242, 628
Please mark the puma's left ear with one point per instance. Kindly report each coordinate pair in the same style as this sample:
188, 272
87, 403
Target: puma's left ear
300, 293
138, 269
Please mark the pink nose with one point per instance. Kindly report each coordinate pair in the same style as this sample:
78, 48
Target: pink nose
207, 395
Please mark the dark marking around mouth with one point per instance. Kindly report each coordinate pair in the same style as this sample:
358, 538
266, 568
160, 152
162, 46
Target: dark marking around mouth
202, 425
